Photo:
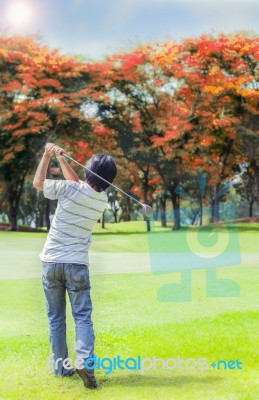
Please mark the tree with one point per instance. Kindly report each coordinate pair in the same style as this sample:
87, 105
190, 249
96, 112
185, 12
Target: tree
41, 93
216, 76
175, 107
135, 111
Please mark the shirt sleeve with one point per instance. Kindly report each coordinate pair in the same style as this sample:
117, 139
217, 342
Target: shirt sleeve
54, 189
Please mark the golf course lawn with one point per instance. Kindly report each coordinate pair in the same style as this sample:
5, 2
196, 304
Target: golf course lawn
129, 321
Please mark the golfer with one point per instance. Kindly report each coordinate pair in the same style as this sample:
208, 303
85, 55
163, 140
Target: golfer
65, 254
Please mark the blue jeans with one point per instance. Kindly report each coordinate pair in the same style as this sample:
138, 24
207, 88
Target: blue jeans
57, 278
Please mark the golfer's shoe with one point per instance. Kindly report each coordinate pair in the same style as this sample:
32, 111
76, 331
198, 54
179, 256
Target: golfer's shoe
72, 372
88, 378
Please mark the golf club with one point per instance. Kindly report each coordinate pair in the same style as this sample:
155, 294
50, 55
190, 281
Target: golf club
146, 209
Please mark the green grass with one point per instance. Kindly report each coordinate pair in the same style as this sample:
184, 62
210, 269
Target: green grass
122, 237
130, 321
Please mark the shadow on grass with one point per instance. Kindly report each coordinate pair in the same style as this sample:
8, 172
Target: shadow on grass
141, 380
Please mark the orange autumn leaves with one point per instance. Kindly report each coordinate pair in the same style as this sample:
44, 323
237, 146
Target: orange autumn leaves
184, 99
37, 88
178, 98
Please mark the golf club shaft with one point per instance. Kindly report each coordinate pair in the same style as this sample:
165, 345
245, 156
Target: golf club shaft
111, 184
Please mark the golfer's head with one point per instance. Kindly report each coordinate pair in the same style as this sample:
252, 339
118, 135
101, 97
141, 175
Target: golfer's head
105, 167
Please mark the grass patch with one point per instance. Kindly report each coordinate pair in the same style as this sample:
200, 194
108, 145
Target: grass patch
130, 321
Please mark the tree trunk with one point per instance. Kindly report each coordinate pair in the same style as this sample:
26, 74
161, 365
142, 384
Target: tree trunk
201, 216
14, 192
125, 214
251, 208
215, 217
103, 220
148, 224
41, 219
256, 175
215, 210
156, 213
13, 211
163, 212
201, 210
125, 210
145, 187
176, 209
128, 217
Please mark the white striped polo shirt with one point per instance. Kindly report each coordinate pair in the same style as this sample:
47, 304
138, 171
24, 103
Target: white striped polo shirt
79, 208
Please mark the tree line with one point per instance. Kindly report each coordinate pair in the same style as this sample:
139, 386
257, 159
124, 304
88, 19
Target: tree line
173, 115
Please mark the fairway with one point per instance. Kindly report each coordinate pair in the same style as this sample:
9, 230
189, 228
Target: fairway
130, 321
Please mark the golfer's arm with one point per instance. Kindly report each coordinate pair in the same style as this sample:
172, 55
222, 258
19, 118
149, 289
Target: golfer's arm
41, 172
67, 171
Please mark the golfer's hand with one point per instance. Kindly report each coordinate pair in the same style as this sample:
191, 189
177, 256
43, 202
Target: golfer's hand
49, 149
59, 152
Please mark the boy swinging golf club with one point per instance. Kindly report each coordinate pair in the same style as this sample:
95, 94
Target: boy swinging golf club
65, 253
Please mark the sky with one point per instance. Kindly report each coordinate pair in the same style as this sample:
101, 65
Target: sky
94, 28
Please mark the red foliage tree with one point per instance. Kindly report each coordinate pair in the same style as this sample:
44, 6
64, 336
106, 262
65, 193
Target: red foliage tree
214, 105
41, 93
